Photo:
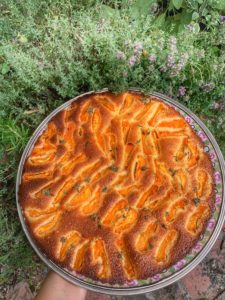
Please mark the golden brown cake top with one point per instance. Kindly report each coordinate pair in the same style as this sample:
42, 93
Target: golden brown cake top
117, 187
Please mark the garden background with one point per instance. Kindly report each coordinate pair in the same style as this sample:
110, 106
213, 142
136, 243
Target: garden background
53, 50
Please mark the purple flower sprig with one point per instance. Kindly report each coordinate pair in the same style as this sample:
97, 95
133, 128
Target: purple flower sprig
120, 55
182, 91
132, 60
152, 58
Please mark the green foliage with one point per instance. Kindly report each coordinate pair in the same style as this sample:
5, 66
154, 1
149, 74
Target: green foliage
204, 14
53, 50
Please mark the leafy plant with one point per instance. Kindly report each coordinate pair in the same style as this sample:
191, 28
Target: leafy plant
53, 50
200, 14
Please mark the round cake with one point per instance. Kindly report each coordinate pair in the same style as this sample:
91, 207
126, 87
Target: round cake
117, 187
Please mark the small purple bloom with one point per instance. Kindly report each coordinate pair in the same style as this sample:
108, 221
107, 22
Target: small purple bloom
173, 45
132, 282
170, 61
173, 40
157, 277
120, 55
217, 177
138, 46
197, 247
212, 156
189, 119
152, 58
163, 69
211, 224
202, 136
180, 264
215, 105
182, 90
222, 18
132, 60
218, 199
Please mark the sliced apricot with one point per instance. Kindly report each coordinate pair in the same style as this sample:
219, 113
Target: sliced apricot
193, 154
174, 209
93, 205
79, 255
112, 215
164, 249
140, 164
195, 220
181, 151
125, 129
69, 135
127, 221
84, 114
39, 175
96, 121
70, 165
142, 242
71, 238
34, 213
91, 169
202, 179
127, 264
159, 107
127, 190
105, 102
148, 108
64, 190
48, 225
173, 123
79, 198
42, 159
100, 258
127, 103
181, 179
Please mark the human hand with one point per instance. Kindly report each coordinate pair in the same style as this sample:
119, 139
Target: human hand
55, 287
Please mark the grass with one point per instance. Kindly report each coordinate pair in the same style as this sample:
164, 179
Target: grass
51, 51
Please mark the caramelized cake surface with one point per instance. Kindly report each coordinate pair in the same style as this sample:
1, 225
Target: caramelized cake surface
117, 187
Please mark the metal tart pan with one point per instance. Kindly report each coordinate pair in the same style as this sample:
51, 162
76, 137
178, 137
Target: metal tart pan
183, 267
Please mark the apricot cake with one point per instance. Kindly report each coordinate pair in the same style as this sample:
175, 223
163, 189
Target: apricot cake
117, 187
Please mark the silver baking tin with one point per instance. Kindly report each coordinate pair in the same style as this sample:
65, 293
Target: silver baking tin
118, 290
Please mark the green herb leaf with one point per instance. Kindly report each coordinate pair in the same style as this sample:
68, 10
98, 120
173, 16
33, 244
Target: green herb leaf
172, 171
46, 192
105, 189
114, 168
195, 15
87, 179
177, 3
196, 201
144, 168
94, 217
90, 110
5, 68
63, 239
163, 226
150, 246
